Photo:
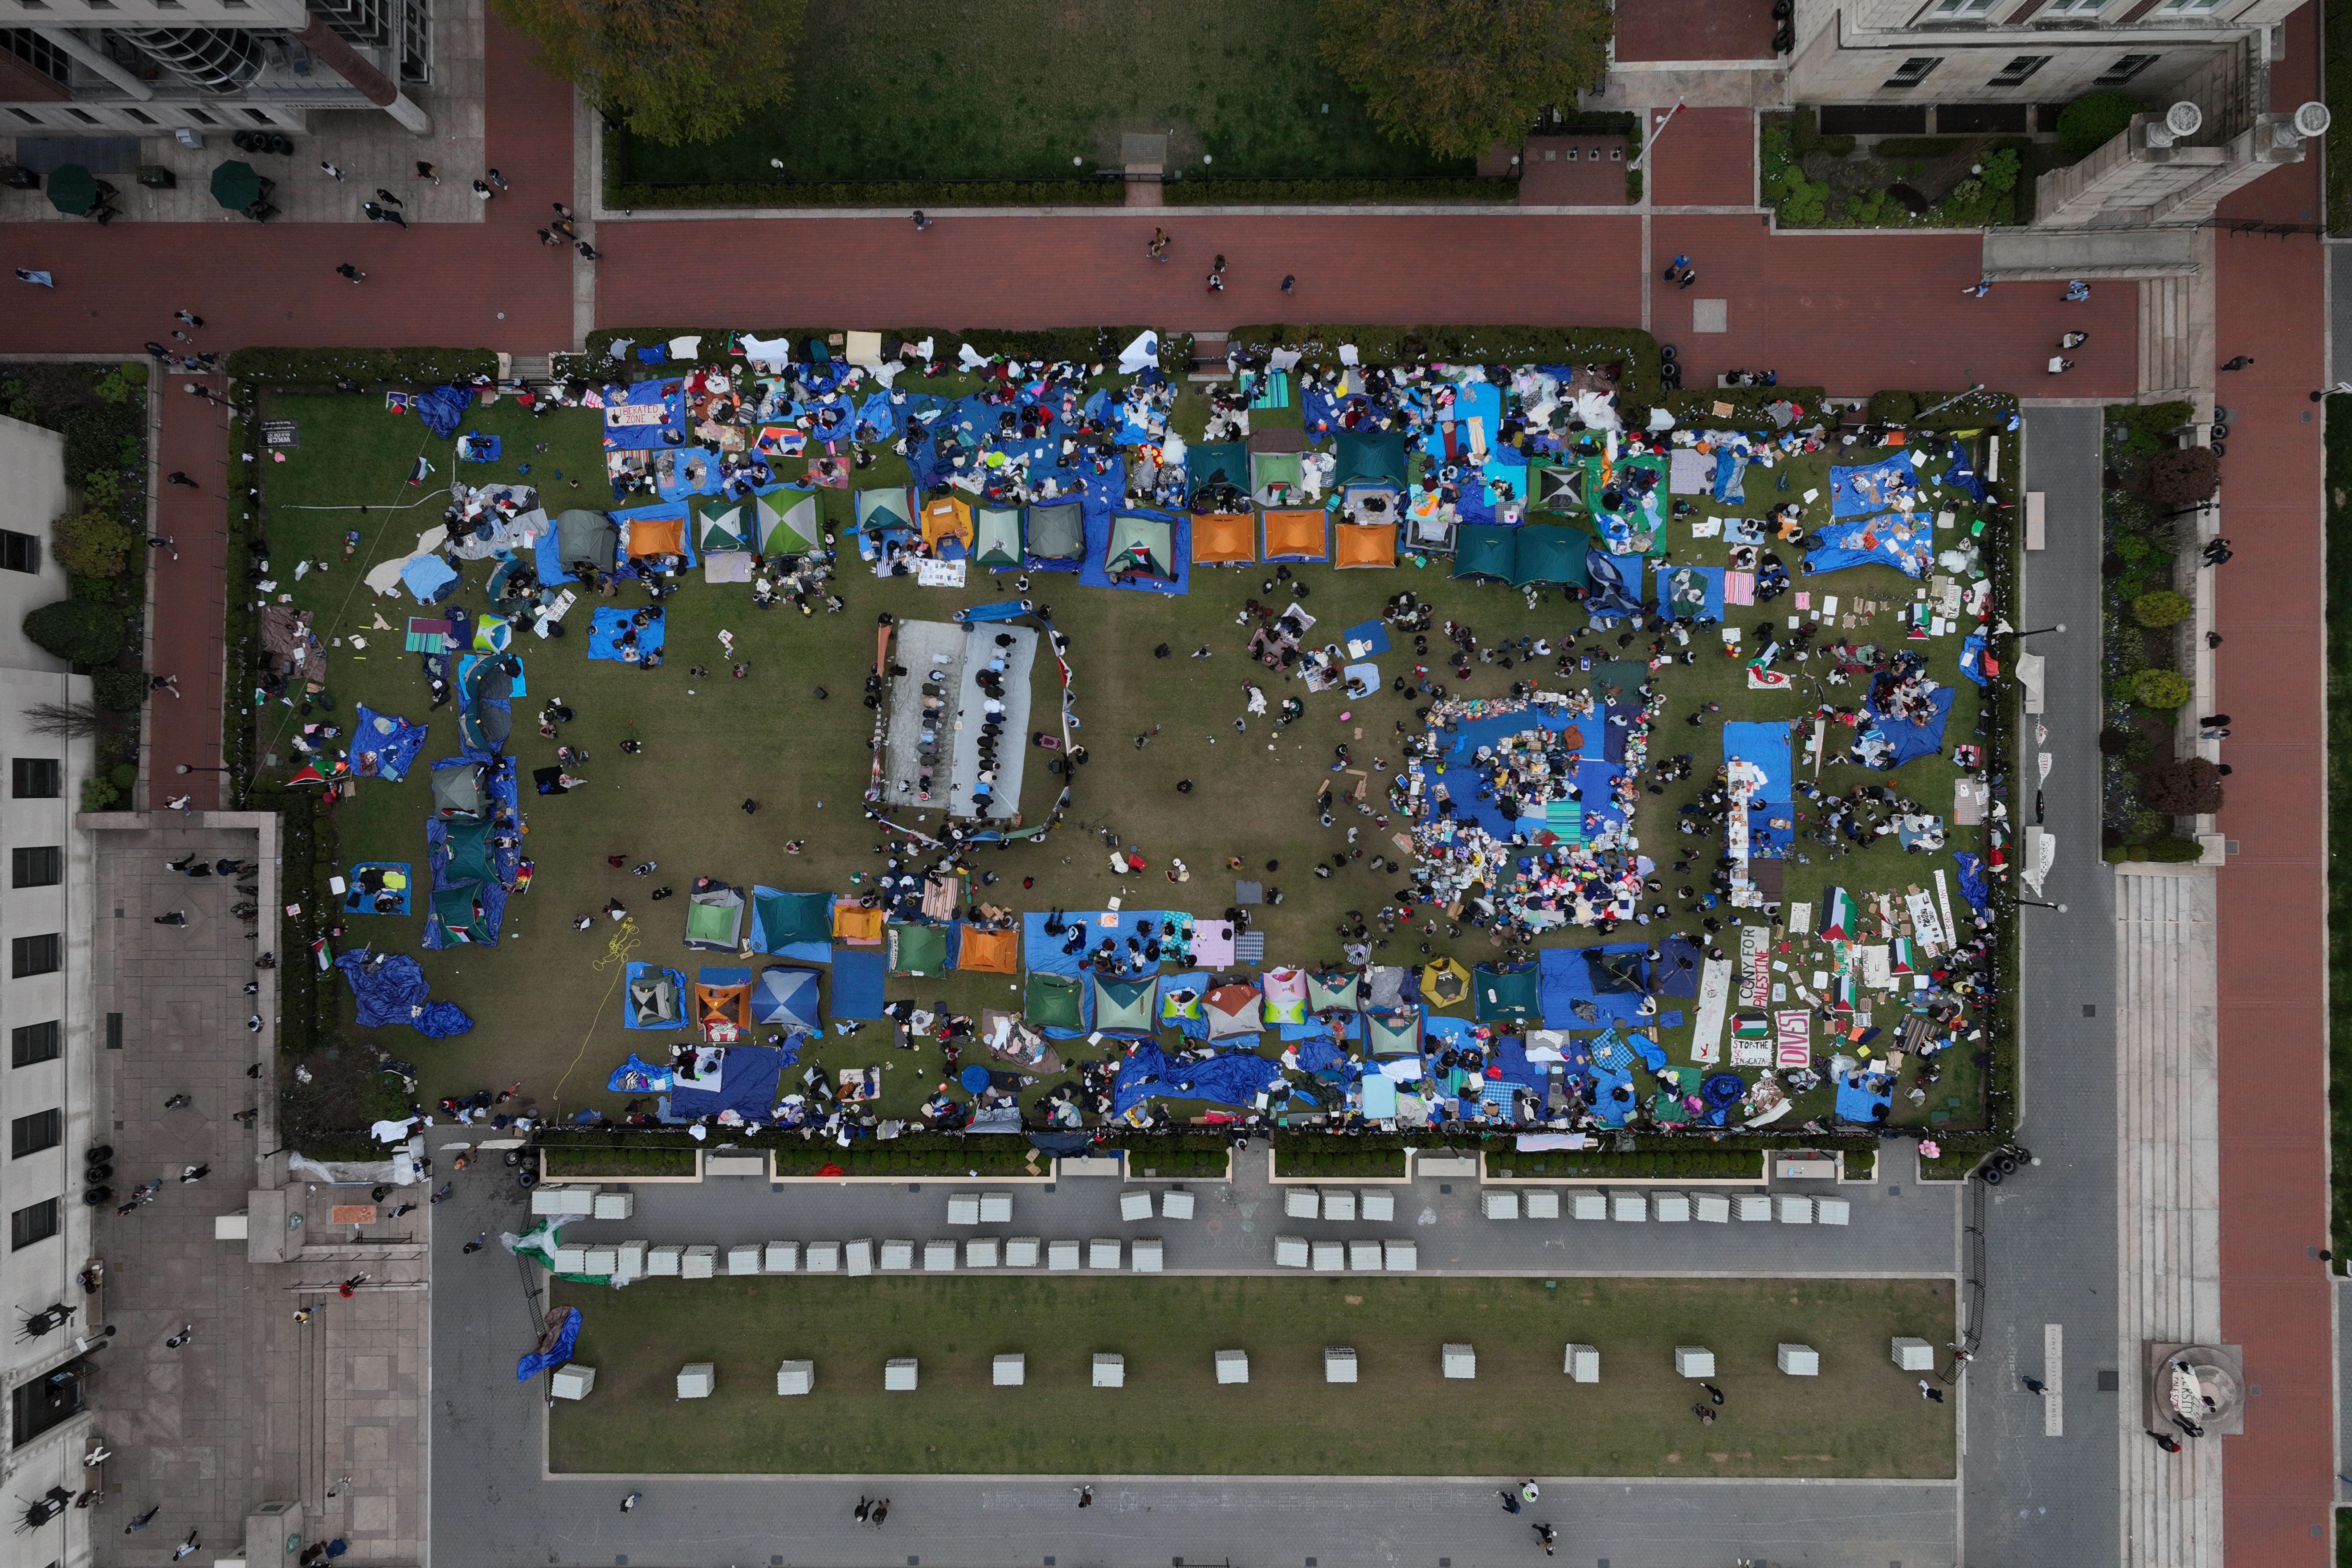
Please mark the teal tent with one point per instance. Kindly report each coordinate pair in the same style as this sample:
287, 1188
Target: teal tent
917, 950
879, 510
996, 539
1393, 1035
1502, 992
1051, 1001
468, 844
1552, 556
780, 918
1057, 531
459, 909
1124, 1006
721, 525
1486, 553
1370, 458
785, 521
1142, 545
1334, 990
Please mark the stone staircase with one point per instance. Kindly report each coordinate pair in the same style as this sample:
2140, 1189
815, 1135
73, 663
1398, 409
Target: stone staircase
2175, 339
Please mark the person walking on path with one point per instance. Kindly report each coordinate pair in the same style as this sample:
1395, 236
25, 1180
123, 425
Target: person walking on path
2059, 365
2217, 552
2169, 1444
922, 222
2074, 339
1705, 1414
177, 477
424, 171
631, 1502
32, 275
864, 1510
142, 1522
190, 319
498, 179
483, 191
1216, 283
1981, 286
589, 252
1713, 1393
187, 1548
1086, 1497
383, 215
1510, 1500
1548, 1535
347, 270
2240, 362
193, 1173
331, 172
1155, 245
1290, 282
187, 1331
2035, 1385
881, 1512
2077, 292
475, 1244
1929, 1391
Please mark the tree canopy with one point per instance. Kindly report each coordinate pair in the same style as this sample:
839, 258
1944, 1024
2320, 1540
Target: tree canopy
671, 70
1459, 75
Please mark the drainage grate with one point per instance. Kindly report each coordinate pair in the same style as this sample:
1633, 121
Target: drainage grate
2110, 1381
2090, 1009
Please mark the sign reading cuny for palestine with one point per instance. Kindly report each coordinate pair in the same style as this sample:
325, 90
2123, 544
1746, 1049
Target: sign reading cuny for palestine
1755, 966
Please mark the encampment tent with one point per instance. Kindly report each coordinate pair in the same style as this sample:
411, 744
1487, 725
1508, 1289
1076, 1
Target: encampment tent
1484, 553
1297, 536
588, 536
459, 793
989, 951
1393, 1034
721, 525
654, 998
1552, 556
780, 918
1557, 487
1274, 478
1502, 992
917, 950
1140, 545
714, 918
1051, 1001
1355, 544
786, 999
996, 539
458, 909
1124, 1006
890, 507
1224, 539
467, 845
657, 536
722, 997
1334, 990
1444, 983
947, 527
1217, 476
1232, 1010
1057, 531
1370, 458
1285, 995
787, 522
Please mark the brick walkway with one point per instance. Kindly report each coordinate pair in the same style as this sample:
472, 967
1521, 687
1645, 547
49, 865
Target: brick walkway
189, 596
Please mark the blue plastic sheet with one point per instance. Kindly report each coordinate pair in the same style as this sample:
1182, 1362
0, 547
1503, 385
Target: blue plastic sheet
1962, 475
534, 1362
1043, 952
859, 974
1865, 489
1564, 978
392, 740
637, 1076
442, 408
1606, 590
667, 394
747, 1086
1972, 653
1730, 469
1909, 740
1674, 584
1229, 1078
1093, 574
429, 578
1765, 746
395, 993
1859, 1102
606, 626
1906, 543
1972, 880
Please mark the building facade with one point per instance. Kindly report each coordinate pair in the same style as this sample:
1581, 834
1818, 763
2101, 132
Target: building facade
90, 66
48, 1083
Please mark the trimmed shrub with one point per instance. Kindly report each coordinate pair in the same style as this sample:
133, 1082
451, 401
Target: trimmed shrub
99, 437
324, 367
119, 690
2176, 851
1239, 193
2162, 689
2096, 119
2114, 741
2182, 788
2162, 608
99, 794
78, 631
123, 775
1892, 407
2178, 475
91, 544
890, 194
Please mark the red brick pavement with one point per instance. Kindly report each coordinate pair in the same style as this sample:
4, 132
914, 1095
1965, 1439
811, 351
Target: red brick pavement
1672, 30
2270, 605
190, 598
1703, 158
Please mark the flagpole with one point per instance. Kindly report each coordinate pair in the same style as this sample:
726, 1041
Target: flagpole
1643, 157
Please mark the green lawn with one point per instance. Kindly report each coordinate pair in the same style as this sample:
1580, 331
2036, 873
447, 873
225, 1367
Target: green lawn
1863, 1417
546, 999
898, 89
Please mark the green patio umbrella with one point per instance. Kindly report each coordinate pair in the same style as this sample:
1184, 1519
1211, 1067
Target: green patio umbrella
236, 185
73, 189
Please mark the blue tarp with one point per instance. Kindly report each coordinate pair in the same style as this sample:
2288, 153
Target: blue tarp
1004, 610
1867, 489
1906, 543
1910, 739
747, 1086
442, 408
636, 1075
1730, 481
1565, 978
395, 993
637, 970
1606, 590
1043, 952
359, 901
666, 395
1765, 746
858, 974
1595, 776
1093, 574
1972, 652
1962, 474
474, 446
1859, 1103
393, 741
607, 625
1229, 1078
534, 1363
1674, 583
1972, 880
429, 578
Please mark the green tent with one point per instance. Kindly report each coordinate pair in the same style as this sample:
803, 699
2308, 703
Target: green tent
1056, 531
1143, 545
879, 510
785, 521
917, 950
1334, 991
996, 538
721, 525
1502, 992
1552, 556
1556, 487
1393, 1035
468, 844
779, 920
1370, 458
1124, 1006
1051, 1001
714, 918
458, 909
1484, 553
1213, 464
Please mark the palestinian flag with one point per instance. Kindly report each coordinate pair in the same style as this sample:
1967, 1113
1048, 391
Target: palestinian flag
1899, 956
1838, 916
416, 474
1751, 1026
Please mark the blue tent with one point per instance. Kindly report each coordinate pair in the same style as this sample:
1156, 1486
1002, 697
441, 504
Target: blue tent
787, 999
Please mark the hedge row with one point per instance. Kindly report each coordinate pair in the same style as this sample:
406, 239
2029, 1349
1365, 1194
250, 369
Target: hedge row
886, 194
1237, 193
1593, 1165
1040, 343
618, 1160
324, 367
1630, 347
1336, 1157
1694, 407
308, 1001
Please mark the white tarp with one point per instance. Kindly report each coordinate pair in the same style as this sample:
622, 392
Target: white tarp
1714, 1001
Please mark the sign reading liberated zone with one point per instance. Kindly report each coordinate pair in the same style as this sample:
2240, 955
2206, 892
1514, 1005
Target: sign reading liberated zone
281, 433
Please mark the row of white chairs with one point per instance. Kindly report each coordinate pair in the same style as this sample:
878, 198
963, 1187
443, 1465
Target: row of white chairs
1667, 1208
629, 1260
1360, 1254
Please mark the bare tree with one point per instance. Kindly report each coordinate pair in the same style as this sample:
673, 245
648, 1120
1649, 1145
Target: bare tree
67, 720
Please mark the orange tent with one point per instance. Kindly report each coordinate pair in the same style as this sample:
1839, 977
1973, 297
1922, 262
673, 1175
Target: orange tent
989, 952
722, 1004
1296, 536
657, 536
1222, 539
1363, 544
852, 924
947, 517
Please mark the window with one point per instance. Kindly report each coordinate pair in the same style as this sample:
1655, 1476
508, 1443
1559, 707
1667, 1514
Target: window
1955, 10
40, 867
2015, 73
31, 1135
29, 1043
19, 552
2073, 8
140, 115
2187, 8
200, 117
41, 1403
1915, 70
31, 955
2125, 68
37, 778
34, 1222
21, 114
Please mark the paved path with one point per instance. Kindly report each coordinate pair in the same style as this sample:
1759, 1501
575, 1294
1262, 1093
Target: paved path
190, 595
2270, 605
1897, 1227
